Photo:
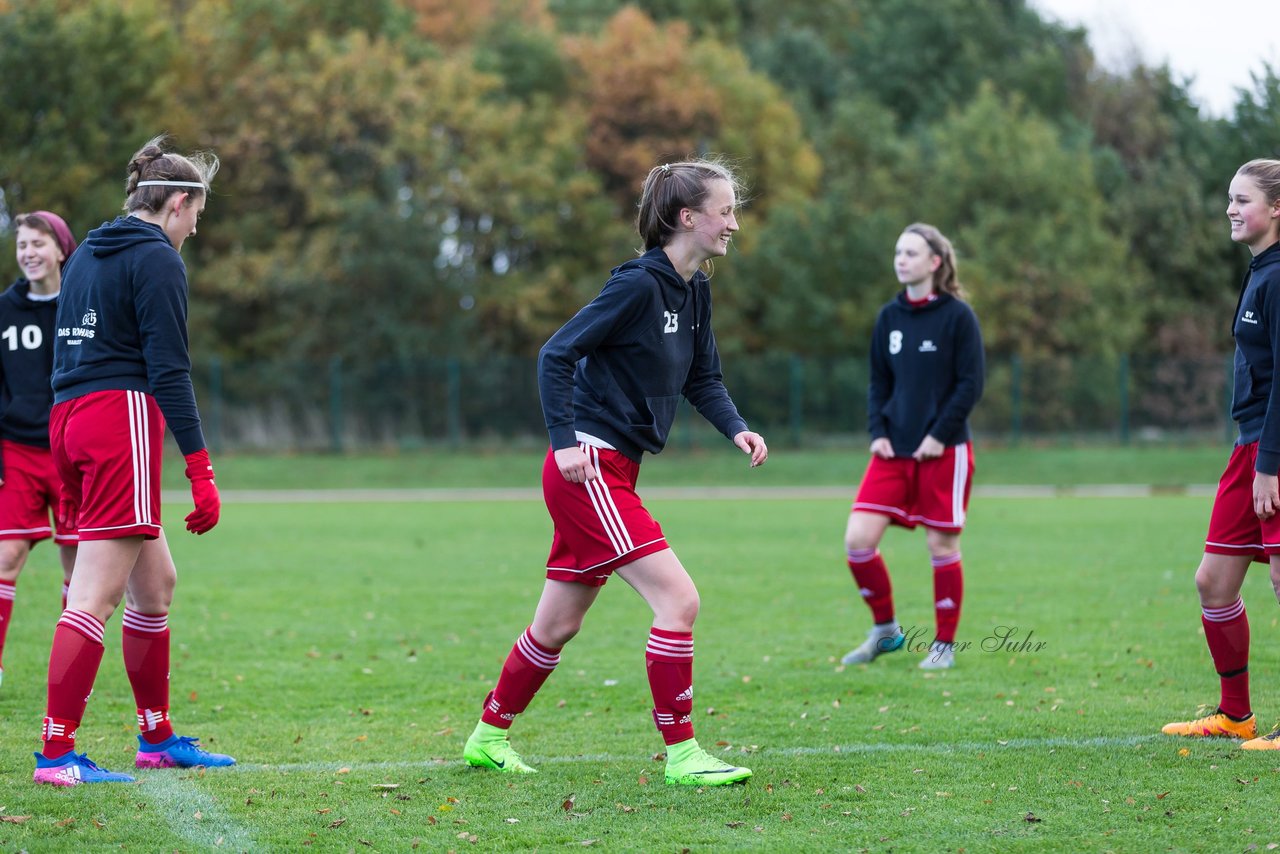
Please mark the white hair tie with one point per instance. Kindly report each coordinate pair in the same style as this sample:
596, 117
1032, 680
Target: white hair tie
199, 184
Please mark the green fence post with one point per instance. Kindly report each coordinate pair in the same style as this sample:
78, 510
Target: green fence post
1015, 399
453, 385
215, 403
1124, 399
335, 404
797, 399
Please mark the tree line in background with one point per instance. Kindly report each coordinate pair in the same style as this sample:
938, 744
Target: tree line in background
412, 179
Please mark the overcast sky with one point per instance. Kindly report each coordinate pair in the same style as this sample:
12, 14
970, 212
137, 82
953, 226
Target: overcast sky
1219, 43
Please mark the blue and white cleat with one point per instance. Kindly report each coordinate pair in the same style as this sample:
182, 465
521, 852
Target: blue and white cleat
178, 751
72, 769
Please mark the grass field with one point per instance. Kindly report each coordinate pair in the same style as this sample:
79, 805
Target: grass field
341, 652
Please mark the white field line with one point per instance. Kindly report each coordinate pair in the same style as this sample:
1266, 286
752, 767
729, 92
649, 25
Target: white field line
178, 801
732, 753
677, 493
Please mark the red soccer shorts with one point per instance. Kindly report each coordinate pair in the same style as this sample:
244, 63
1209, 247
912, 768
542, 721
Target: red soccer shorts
1234, 529
933, 493
30, 491
601, 525
107, 447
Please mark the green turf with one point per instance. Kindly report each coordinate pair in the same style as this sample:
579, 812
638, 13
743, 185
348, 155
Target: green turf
719, 464
342, 653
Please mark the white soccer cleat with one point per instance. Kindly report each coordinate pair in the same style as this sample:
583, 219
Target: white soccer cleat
878, 643
941, 656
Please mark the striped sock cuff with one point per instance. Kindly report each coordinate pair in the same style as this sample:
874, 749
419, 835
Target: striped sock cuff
147, 623
862, 555
1224, 614
945, 560
8, 590
84, 623
535, 653
671, 646
150, 719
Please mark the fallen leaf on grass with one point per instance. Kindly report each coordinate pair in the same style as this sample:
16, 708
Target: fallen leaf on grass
66, 822
19, 819
512, 821
324, 810
568, 803
337, 822
1161, 796
431, 819
1032, 818
343, 770
643, 781
858, 788
734, 823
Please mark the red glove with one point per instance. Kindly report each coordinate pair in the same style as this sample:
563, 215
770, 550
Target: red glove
204, 492
67, 512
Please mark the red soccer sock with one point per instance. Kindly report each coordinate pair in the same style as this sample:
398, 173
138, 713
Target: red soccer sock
145, 644
527, 666
8, 590
73, 666
1226, 630
948, 593
668, 658
872, 578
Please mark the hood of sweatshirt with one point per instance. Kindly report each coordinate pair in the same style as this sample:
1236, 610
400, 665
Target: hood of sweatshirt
675, 290
1265, 258
122, 233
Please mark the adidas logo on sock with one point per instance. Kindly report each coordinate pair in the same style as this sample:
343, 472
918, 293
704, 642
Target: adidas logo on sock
686, 694
945, 603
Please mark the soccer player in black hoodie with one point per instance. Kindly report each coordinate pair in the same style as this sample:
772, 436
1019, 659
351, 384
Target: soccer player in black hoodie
121, 372
610, 381
926, 377
1244, 525
29, 484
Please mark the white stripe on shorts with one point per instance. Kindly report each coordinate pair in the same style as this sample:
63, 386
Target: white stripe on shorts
141, 447
606, 510
958, 477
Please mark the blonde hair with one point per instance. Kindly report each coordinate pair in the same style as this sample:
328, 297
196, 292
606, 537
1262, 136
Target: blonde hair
945, 278
671, 187
153, 163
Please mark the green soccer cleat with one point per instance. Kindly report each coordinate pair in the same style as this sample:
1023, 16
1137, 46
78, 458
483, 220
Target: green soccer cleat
690, 765
488, 747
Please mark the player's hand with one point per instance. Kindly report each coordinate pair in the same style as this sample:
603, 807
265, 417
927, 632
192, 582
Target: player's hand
1266, 495
204, 493
753, 444
574, 465
882, 448
930, 449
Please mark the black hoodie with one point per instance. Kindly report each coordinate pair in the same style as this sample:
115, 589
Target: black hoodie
927, 370
1255, 400
618, 368
26, 359
122, 323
